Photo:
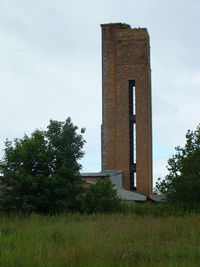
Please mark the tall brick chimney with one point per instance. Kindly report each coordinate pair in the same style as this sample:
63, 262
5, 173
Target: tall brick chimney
126, 117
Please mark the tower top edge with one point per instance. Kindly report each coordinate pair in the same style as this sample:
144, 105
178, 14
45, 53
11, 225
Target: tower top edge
124, 27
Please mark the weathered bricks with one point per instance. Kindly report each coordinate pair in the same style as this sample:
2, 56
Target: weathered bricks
126, 56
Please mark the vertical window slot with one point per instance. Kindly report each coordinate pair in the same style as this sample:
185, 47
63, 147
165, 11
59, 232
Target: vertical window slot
132, 132
134, 106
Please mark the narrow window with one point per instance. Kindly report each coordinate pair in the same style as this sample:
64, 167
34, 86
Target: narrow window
134, 143
135, 179
132, 132
134, 107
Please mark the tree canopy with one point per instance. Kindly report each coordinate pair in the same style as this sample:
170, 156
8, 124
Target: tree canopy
41, 172
182, 184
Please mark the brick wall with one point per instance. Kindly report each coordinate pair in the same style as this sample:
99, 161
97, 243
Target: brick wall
126, 56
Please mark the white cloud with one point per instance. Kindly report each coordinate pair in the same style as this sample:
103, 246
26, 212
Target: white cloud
160, 169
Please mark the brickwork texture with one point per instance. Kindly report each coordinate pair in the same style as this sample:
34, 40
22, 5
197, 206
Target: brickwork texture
126, 56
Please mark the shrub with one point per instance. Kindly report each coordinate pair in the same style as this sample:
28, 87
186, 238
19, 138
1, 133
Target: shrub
102, 198
41, 172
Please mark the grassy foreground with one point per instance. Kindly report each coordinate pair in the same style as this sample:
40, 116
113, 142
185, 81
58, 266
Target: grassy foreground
99, 240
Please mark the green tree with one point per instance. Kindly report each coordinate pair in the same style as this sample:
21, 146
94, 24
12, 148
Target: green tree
182, 184
41, 172
102, 198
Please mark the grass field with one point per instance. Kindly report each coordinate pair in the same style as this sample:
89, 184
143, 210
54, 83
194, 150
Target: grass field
99, 240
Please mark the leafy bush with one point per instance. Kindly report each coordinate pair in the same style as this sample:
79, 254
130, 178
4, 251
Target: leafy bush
102, 198
41, 172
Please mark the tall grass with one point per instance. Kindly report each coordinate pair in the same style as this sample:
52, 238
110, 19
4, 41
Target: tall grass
99, 240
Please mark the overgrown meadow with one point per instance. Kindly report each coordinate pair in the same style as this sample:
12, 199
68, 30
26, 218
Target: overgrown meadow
40, 176
99, 240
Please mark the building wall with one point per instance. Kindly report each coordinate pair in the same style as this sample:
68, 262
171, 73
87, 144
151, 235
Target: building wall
126, 56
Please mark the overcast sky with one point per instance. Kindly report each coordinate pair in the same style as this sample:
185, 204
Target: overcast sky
50, 68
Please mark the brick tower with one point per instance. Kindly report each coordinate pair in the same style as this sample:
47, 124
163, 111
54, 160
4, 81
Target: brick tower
126, 118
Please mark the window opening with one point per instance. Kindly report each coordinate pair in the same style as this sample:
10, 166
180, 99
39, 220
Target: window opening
132, 132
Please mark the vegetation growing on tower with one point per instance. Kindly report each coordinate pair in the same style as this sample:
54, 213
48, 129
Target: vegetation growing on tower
126, 26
